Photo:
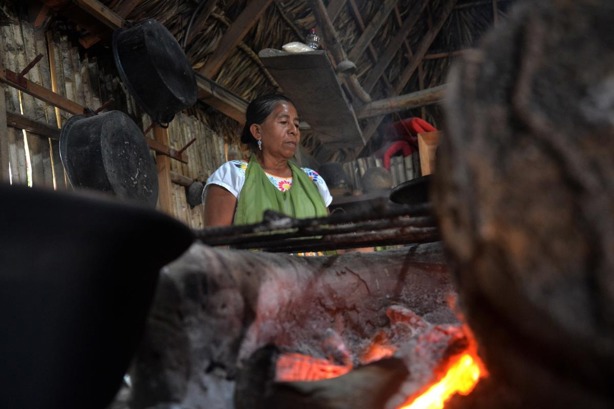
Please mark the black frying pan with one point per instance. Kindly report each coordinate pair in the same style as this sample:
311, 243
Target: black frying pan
412, 192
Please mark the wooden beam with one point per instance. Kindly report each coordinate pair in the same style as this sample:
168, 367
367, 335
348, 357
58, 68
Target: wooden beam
13, 79
334, 8
4, 143
101, 13
163, 165
402, 103
124, 9
162, 149
425, 44
34, 127
221, 99
371, 30
41, 16
239, 29
126, 6
393, 46
372, 52
397, 16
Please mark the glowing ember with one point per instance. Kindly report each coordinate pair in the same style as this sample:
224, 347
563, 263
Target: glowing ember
461, 378
377, 351
299, 367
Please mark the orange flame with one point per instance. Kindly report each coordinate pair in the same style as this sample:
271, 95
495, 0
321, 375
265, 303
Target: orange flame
461, 377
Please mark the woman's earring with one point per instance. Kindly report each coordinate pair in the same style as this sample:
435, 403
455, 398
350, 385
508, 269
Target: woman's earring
260, 144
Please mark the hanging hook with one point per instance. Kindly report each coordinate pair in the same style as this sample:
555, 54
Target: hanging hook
180, 151
30, 66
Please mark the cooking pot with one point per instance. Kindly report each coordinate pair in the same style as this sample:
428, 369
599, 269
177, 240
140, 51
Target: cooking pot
108, 152
154, 69
412, 192
78, 271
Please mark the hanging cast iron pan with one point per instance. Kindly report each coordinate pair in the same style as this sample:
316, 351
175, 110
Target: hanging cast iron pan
155, 69
78, 271
108, 152
412, 192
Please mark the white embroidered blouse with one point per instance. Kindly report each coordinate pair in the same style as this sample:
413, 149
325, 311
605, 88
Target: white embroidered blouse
231, 176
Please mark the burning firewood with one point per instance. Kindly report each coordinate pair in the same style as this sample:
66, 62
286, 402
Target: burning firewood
388, 383
365, 387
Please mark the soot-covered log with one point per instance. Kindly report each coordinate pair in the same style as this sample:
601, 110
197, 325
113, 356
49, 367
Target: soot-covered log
524, 192
216, 307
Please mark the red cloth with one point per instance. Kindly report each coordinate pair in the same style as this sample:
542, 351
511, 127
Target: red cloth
409, 128
394, 148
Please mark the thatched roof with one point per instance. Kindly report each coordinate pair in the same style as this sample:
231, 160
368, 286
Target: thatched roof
399, 47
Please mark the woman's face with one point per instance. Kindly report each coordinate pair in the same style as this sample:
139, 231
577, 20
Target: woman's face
279, 132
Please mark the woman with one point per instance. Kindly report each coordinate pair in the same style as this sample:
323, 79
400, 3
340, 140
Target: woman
239, 192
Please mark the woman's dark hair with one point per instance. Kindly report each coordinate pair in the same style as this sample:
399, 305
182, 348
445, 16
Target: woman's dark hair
257, 111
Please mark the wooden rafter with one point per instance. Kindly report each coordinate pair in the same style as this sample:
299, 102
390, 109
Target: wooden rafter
334, 8
393, 47
403, 102
371, 30
424, 45
126, 6
41, 16
101, 13
372, 51
408, 50
235, 34
221, 99
123, 10
34, 127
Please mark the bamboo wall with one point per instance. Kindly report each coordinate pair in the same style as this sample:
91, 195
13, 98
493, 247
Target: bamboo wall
66, 69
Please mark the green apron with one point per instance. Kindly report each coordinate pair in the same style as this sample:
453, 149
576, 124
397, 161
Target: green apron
302, 200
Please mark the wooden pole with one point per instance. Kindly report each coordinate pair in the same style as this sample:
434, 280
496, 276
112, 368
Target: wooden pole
163, 164
4, 146
403, 102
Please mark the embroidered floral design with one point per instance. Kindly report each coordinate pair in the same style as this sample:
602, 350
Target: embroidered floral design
313, 175
240, 164
284, 184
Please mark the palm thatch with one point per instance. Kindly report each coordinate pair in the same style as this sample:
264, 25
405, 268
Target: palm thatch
411, 50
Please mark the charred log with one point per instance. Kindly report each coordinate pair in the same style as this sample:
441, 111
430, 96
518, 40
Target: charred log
524, 191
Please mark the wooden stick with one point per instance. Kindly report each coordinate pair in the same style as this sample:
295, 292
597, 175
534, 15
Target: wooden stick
403, 102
